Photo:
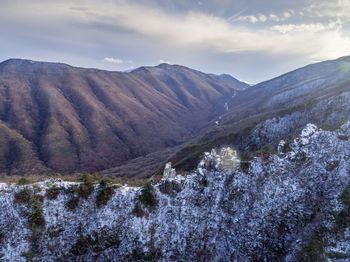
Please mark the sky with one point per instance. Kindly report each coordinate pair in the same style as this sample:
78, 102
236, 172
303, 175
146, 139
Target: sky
253, 40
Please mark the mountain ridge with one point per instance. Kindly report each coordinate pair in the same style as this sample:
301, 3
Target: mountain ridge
76, 119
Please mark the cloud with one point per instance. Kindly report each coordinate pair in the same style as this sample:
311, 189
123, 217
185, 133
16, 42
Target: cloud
274, 17
312, 27
249, 18
143, 32
161, 61
328, 9
262, 17
200, 32
113, 60
287, 15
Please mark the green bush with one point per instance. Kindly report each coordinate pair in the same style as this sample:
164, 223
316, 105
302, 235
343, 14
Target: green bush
37, 188
105, 192
36, 219
147, 196
87, 185
23, 181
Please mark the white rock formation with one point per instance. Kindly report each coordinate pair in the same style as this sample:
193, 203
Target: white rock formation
168, 171
224, 160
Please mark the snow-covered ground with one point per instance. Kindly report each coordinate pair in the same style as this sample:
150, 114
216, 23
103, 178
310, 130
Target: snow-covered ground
267, 213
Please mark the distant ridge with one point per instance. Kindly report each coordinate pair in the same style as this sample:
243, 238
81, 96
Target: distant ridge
59, 118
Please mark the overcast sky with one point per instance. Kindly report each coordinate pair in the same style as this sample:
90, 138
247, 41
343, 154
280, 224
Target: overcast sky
252, 40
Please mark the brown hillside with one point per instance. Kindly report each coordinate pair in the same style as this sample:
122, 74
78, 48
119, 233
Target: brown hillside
68, 119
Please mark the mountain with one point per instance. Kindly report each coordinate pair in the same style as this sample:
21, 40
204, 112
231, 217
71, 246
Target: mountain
55, 117
293, 205
310, 83
318, 93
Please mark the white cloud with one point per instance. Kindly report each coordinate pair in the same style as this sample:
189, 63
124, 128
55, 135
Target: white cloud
161, 61
249, 18
113, 60
328, 9
287, 14
262, 17
190, 32
308, 28
274, 17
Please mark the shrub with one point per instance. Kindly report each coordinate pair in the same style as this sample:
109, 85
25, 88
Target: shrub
87, 185
58, 176
53, 192
37, 188
314, 250
23, 196
36, 219
72, 189
72, 203
147, 196
264, 153
96, 176
105, 192
344, 138
24, 181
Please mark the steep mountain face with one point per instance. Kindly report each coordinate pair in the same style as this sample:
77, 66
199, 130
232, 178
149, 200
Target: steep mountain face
318, 93
289, 206
57, 117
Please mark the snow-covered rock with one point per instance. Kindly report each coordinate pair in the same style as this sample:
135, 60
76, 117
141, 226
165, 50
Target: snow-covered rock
168, 171
216, 213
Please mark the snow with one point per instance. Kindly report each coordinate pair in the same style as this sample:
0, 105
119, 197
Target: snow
220, 213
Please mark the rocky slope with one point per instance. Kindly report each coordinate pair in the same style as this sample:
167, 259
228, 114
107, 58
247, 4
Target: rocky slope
289, 206
57, 117
318, 93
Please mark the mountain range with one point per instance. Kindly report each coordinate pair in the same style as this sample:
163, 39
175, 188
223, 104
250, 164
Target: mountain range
252, 173
58, 118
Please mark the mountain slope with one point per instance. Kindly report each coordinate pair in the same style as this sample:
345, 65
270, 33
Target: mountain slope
310, 83
318, 93
78, 119
273, 211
